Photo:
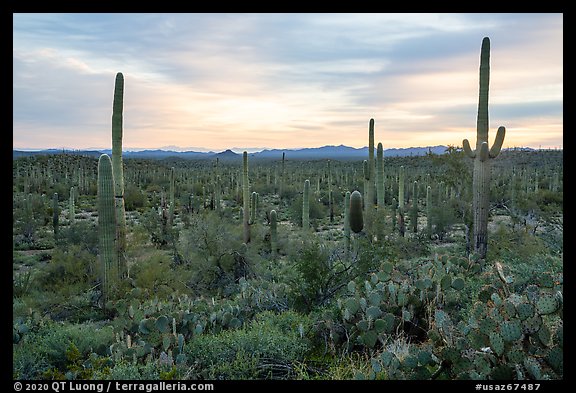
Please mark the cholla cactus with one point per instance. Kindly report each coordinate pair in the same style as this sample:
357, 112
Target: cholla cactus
482, 155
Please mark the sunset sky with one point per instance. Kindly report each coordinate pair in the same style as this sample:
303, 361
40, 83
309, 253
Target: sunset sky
219, 81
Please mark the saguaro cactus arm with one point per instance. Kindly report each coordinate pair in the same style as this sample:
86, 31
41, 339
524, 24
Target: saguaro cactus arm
497, 145
469, 152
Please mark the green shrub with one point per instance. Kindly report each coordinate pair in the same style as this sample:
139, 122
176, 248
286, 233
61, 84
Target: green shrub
265, 348
82, 234
45, 349
156, 274
319, 274
69, 272
317, 210
134, 198
125, 370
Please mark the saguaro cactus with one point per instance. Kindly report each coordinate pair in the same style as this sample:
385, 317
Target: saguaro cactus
71, 208
55, 216
429, 210
282, 176
273, 233
369, 179
172, 199
482, 155
414, 209
106, 225
355, 214
253, 206
306, 206
218, 193
330, 199
245, 198
366, 173
401, 188
380, 176
370, 194
117, 119
347, 223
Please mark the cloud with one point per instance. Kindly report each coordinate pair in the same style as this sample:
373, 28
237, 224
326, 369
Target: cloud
222, 80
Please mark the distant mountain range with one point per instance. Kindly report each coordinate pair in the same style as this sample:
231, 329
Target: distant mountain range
316, 153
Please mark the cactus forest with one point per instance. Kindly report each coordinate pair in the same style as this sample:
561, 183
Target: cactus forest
433, 267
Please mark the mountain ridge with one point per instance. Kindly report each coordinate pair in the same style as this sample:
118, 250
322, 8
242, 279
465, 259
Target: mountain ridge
340, 152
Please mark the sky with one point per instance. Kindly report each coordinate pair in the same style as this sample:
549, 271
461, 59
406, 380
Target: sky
201, 81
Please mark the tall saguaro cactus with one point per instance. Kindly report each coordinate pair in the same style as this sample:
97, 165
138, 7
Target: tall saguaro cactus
172, 198
414, 209
482, 155
245, 198
347, 224
106, 226
273, 233
369, 203
401, 187
330, 199
380, 176
429, 210
71, 209
55, 216
117, 120
281, 191
306, 206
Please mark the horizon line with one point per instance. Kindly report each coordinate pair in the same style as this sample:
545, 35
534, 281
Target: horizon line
239, 150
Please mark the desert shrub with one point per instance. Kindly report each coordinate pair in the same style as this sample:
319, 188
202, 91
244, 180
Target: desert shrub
82, 234
69, 272
266, 348
320, 272
45, 349
317, 210
134, 198
127, 370
212, 249
156, 274
514, 245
